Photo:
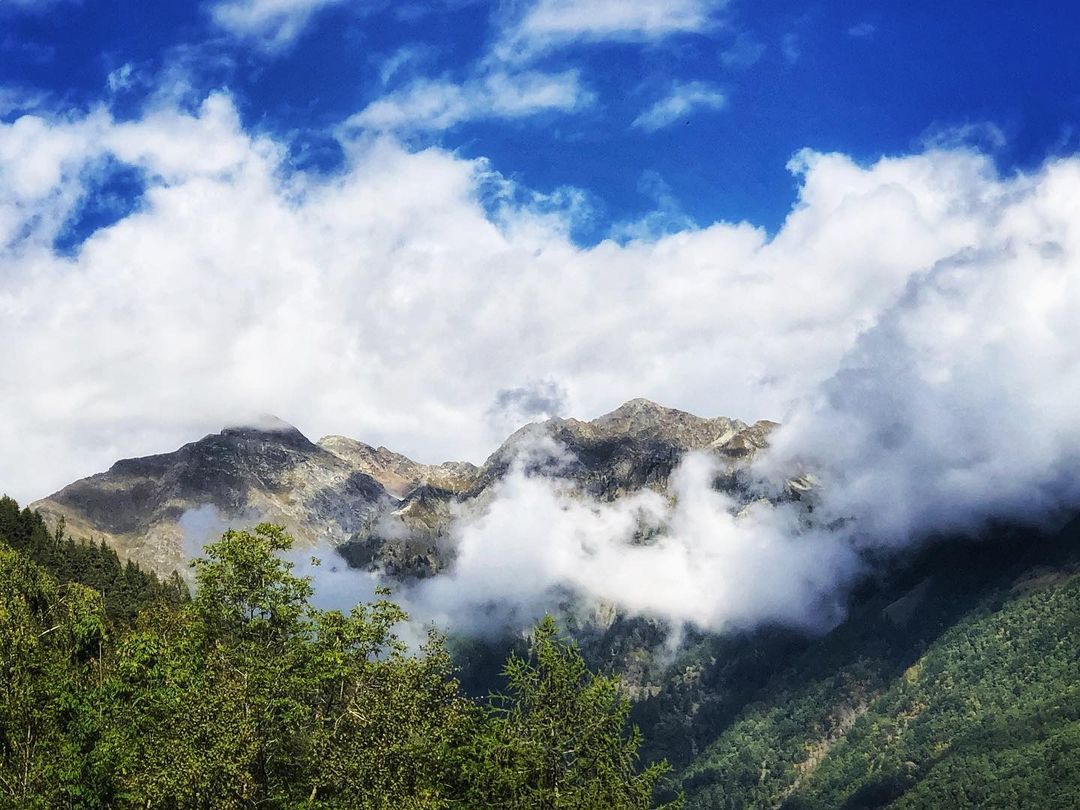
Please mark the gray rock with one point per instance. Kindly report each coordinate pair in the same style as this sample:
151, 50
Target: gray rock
384, 510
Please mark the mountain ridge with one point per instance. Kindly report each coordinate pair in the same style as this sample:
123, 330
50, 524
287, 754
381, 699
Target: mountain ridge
387, 510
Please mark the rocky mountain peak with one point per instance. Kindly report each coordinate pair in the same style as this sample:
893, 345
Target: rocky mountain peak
395, 511
644, 418
272, 431
635, 445
639, 408
243, 474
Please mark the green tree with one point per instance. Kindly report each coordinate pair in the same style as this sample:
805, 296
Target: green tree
51, 637
559, 737
249, 696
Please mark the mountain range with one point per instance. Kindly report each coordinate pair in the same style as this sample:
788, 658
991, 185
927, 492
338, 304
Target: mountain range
381, 508
951, 682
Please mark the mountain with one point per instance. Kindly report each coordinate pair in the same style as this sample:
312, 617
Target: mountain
157, 510
385, 510
952, 682
635, 446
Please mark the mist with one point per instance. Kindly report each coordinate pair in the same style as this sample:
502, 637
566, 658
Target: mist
695, 557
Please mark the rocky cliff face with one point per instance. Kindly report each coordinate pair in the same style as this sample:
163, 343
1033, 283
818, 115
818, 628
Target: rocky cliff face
382, 509
636, 445
151, 508
398, 474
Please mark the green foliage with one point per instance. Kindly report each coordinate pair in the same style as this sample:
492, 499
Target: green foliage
986, 718
118, 690
125, 587
248, 696
559, 738
972, 702
50, 637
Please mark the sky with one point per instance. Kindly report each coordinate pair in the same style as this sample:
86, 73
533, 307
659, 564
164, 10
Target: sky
424, 223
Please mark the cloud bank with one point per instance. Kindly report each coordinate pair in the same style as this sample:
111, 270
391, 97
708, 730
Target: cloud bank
911, 324
954, 410
711, 564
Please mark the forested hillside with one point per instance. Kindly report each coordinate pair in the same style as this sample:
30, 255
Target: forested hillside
954, 683
125, 587
118, 691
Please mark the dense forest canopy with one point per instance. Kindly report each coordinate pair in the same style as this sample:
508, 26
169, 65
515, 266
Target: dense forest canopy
119, 690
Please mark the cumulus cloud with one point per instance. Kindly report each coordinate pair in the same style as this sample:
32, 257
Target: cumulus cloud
392, 292
957, 407
684, 100
911, 324
272, 24
427, 104
547, 24
954, 409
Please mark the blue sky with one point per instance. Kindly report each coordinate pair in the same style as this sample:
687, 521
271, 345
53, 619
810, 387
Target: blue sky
423, 224
746, 84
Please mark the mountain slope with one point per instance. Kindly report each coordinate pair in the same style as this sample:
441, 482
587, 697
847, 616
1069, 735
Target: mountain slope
398, 474
386, 511
954, 685
157, 510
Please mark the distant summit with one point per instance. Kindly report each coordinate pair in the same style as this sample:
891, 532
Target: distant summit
386, 510
242, 474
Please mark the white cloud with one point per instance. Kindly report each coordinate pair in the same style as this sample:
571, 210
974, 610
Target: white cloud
684, 100
953, 409
862, 30
392, 293
911, 323
710, 566
744, 52
35, 6
273, 24
956, 408
550, 23
436, 105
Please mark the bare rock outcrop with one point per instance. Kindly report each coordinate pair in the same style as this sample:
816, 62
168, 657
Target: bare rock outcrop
384, 510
